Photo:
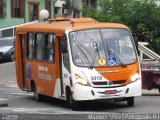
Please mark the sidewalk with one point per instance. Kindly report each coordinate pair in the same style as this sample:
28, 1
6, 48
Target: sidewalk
150, 92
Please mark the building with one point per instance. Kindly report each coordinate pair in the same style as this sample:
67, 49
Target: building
74, 6
13, 12
59, 8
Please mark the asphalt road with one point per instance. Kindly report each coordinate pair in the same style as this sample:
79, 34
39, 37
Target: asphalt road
21, 105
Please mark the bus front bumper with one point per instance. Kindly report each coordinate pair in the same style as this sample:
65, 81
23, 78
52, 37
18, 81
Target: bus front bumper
82, 93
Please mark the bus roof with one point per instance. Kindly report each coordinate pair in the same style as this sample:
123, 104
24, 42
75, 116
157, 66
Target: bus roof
62, 24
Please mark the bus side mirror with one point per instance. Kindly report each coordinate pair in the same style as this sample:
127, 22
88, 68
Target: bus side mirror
135, 38
64, 46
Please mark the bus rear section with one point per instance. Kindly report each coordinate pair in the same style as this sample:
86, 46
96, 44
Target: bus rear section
87, 61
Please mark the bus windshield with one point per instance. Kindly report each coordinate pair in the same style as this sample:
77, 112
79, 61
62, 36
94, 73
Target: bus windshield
102, 47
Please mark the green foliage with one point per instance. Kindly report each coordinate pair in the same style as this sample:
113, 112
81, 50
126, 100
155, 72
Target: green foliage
68, 5
156, 44
142, 17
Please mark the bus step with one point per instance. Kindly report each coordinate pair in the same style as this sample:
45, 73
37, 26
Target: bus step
24, 89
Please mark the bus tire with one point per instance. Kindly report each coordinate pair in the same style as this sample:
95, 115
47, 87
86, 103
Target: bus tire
68, 98
159, 89
71, 103
37, 96
130, 101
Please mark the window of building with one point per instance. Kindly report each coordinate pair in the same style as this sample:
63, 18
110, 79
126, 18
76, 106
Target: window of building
30, 46
48, 6
2, 8
56, 10
17, 8
93, 3
33, 10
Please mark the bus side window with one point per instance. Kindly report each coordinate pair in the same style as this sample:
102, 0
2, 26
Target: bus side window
49, 48
40, 47
30, 46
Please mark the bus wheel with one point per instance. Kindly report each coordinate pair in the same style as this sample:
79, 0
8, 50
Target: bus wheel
130, 101
159, 89
71, 103
37, 96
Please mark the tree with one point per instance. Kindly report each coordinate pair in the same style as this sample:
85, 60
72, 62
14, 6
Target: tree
142, 17
68, 6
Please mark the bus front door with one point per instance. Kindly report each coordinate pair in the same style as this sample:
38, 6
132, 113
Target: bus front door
60, 40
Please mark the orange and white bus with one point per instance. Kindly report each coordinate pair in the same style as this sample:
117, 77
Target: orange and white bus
78, 60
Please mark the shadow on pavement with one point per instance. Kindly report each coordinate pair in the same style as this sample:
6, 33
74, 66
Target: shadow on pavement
85, 105
151, 94
4, 61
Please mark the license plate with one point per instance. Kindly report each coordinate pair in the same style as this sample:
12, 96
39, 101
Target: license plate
110, 91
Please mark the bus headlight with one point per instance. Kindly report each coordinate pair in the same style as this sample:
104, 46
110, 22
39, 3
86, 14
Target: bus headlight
135, 77
81, 80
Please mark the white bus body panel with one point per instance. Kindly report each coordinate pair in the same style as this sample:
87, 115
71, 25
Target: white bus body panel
84, 92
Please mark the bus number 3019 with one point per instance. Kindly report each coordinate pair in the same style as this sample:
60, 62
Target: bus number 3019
96, 77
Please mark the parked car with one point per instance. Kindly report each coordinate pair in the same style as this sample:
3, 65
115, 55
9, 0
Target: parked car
7, 48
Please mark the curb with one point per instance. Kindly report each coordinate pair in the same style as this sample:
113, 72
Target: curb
150, 92
3, 102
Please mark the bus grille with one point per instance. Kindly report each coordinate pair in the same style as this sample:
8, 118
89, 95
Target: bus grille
119, 82
100, 83
113, 83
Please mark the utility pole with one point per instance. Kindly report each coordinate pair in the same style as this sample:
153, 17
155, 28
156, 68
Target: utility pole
72, 13
54, 7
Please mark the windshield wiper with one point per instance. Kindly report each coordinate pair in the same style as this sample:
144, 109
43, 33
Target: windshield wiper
96, 50
113, 53
82, 52
95, 53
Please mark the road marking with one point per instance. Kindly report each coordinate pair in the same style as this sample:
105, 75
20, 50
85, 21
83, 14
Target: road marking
43, 110
34, 110
12, 81
12, 85
25, 94
25, 110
